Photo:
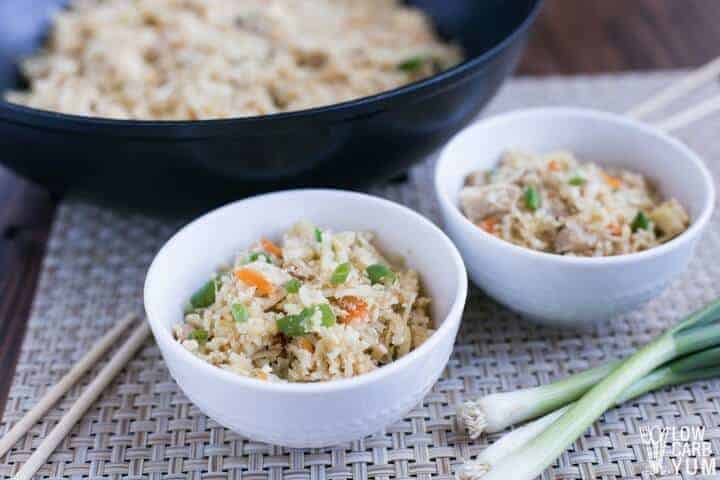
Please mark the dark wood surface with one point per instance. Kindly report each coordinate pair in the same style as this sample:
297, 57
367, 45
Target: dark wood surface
571, 37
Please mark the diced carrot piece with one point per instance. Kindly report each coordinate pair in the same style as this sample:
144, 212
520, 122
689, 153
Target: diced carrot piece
262, 375
306, 344
614, 182
489, 224
615, 229
256, 279
355, 307
270, 247
554, 166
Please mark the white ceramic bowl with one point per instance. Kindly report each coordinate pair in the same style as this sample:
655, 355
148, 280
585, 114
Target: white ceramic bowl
570, 290
319, 414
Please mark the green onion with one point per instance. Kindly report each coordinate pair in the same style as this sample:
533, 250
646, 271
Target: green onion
412, 64
328, 317
255, 256
340, 274
496, 412
318, 235
205, 296
698, 332
380, 273
640, 222
292, 286
200, 335
532, 198
698, 366
239, 312
295, 325
577, 181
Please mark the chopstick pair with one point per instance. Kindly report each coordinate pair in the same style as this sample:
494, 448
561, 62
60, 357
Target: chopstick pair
86, 399
696, 79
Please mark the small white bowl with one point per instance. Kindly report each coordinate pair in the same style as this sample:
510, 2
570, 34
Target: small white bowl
295, 414
562, 290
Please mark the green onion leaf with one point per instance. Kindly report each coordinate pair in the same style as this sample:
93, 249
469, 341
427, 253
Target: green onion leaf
200, 335
380, 273
292, 286
318, 235
328, 317
205, 296
532, 198
340, 274
640, 222
295, 325
412, 64
253, 257
239, 312
577, 181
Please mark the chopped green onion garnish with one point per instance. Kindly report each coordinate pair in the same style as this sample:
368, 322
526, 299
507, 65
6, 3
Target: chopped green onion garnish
318, 235
532, 198
328, 317
340, 274
412, 64
295, 325
640, 222
239, 312
577, 181
205, 296
292, 286
380, 273
199, 335
253, 257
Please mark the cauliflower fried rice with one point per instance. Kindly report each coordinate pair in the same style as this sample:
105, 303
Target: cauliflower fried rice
202, 59
556, 204
320, 306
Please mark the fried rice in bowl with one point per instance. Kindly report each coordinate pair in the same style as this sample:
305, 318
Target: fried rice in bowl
278, 401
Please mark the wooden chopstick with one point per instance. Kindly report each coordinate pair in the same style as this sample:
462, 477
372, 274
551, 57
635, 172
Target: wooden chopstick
690, 115
91, 393
705, 74
59, 389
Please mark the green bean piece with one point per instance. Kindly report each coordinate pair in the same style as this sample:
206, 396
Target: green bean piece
340, 274
200, 335
532, 198
380, 273
255, 256
239, 312
577, 181
292, 286
318, 235
412, 64
640, 221
205, 296
295, 325
328, 316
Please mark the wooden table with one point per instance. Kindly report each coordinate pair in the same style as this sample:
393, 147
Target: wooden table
571, 37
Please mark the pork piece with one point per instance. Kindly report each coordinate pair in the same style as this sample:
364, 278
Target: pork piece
574, 238
479, 202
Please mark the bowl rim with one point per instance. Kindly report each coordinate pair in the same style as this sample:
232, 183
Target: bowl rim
347, 108
452, 318
696, 227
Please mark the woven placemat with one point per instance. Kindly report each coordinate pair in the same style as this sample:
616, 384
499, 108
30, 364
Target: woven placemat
144, 427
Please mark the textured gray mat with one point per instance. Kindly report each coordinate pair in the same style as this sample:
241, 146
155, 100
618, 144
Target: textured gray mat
144, 427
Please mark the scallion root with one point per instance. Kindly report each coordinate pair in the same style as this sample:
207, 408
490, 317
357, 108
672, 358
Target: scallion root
472, 470
473, 418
